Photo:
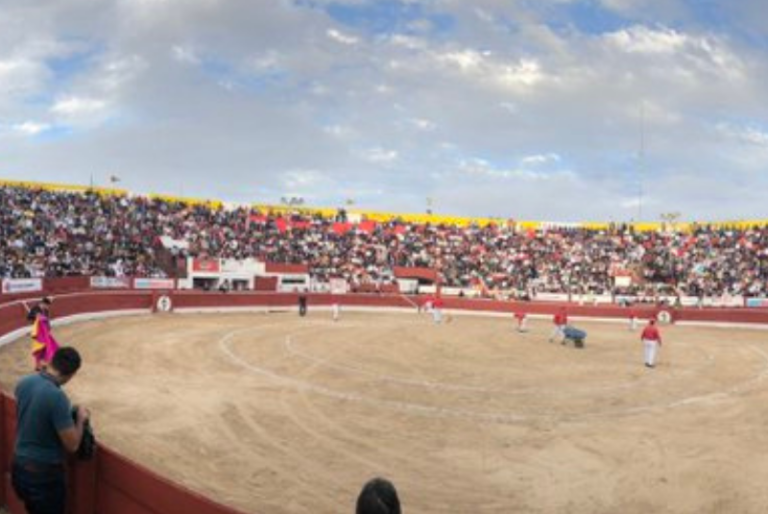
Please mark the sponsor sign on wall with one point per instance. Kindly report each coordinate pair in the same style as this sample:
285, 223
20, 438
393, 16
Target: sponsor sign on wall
164, 304
757, 302
153, 283
206, 265
293, 283
22, 285
110, 282
245, 267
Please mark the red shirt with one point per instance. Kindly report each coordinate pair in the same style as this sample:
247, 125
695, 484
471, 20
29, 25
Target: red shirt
651, 333
561, 318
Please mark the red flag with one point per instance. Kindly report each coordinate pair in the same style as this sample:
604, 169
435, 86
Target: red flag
341, 228
367, 226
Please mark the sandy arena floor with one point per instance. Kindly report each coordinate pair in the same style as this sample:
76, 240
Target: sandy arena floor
275, 414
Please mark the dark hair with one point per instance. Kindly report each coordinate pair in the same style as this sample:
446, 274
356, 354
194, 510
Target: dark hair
46, 300
378, 497
66, 361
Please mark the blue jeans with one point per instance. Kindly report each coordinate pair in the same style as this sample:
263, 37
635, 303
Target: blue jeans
43, 491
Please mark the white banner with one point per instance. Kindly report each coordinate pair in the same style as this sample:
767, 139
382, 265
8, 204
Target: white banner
22, 285
153, 283
339, 286
551, 297
408, 285
110, 282
293, 283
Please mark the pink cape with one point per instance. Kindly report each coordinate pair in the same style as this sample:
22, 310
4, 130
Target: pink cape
44, 345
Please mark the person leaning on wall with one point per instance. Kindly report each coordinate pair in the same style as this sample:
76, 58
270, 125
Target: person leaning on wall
45, 432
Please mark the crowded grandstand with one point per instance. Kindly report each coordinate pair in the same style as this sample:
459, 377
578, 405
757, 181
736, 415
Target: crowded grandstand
50, 232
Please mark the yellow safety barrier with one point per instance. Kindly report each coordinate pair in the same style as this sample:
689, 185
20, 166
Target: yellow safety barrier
382, 217
74, 188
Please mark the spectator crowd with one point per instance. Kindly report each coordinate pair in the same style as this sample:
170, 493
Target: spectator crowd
55, 233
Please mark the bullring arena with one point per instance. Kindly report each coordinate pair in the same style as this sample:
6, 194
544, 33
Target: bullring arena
266, 412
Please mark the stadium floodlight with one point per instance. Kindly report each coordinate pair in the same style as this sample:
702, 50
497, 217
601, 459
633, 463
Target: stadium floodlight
670, 220
292, 200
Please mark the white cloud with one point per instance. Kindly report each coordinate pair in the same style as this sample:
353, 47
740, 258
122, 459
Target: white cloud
184, 55
380, 155
744, 134
484, 68
408, 42
481, 167
31, 128
641, 39
527, 72
116, 72
510, 107
342, 38
77, 106
423, 124
268, 60
466, 60
20, 76
694, 54
300, 180
339, 131
539, 159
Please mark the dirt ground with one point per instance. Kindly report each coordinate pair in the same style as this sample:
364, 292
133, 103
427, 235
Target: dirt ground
272, 413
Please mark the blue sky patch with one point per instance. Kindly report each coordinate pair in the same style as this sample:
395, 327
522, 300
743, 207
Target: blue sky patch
588, 17
64, 68
53, 133
388, 17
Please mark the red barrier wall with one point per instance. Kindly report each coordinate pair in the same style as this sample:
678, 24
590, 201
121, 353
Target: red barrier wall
422, 273
277, 267
112, 484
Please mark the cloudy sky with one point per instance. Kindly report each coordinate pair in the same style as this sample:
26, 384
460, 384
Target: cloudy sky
533, 109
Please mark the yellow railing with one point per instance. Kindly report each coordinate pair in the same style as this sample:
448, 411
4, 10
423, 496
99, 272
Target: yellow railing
47, 186
459, 221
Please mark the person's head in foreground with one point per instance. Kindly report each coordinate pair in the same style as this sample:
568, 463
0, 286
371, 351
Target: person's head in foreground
66, 362
378, 496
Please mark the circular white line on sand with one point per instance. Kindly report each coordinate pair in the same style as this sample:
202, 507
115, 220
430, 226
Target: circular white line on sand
225, 342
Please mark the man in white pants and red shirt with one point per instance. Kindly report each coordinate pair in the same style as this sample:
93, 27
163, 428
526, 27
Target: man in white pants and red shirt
651, 338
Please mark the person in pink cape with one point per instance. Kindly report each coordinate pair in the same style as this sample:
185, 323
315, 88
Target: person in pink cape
44, 345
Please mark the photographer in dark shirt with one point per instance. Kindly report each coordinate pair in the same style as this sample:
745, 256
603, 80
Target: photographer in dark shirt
45, 432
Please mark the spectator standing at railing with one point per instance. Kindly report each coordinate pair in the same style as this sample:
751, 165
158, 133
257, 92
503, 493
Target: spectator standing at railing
45, 432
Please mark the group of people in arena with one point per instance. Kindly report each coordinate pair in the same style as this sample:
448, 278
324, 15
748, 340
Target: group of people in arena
74, 233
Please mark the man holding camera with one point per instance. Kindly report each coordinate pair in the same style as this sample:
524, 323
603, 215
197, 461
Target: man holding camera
45, 431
